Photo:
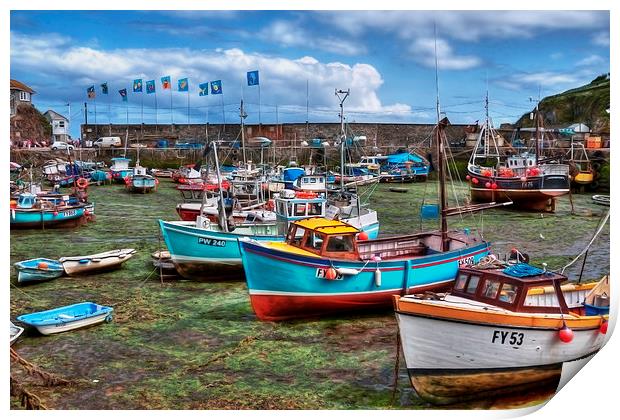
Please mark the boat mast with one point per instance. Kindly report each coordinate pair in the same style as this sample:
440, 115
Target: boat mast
441, 124
243, 116
537, 147
342, 96
223, 221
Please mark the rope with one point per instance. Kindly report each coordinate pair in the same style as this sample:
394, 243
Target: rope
396, 365
596, 233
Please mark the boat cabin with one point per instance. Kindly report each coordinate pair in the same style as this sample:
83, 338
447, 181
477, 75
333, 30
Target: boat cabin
26, 201
324, 237
310, 183
296, 205
120, 164
505, 289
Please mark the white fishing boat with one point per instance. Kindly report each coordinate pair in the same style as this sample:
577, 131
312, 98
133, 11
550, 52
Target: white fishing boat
499, 331
97, 262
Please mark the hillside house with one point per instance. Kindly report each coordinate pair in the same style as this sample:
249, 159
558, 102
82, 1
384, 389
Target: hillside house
20, 95
60, 125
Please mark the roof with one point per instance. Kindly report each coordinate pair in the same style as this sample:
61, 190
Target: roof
20, 86
53, 114
327, 226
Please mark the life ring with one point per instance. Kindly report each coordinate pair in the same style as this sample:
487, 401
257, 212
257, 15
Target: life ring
271, 205
82, 183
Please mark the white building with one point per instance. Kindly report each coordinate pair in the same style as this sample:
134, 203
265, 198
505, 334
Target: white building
60, 125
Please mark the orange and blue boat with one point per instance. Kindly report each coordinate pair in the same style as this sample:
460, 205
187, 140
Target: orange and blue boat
328, 266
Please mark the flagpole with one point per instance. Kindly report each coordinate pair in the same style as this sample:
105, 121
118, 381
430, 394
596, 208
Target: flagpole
156, 110
223, 112
207, 120
141, 115
171, 114
109, 114
96, 127
187, 101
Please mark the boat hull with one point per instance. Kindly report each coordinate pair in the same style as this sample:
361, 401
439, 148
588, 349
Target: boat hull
537, 193
453, 360
75, 266
285, 286
33, 218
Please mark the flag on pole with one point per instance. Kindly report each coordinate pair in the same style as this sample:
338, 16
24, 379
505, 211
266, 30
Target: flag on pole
91, 92
216, 87
166, 83
204, 89
123, 93
150, 86
183, 85
137, 85
104, 88
253, 78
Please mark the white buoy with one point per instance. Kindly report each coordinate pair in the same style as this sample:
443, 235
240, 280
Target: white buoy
347, 271
378, 277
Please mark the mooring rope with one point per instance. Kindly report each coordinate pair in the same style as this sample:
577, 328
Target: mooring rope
596, 233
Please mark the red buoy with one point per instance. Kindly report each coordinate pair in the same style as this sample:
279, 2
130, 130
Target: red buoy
566, 334
363, 236
475, 180
488, 184
467, 177
86, 212
603, 328
331, 273
55, 213
494, 186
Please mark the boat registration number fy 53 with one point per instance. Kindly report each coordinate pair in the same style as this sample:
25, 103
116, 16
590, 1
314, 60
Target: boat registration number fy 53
69, 213
322, 274
466, 261
211, 242
511, 338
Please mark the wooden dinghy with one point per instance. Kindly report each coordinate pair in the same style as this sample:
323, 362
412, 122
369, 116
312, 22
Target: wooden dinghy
67, 318
38, 269
15, 332
96, 262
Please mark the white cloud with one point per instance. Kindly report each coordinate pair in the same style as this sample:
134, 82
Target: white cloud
465, 25
601, 39
551, 82
423, 51
68, 69
590, 60
291, 34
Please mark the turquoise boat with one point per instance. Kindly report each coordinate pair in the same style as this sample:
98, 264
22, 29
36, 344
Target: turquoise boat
67, 318
140, 182
119, 170
202, 250
325, 267
38, 269
31, 212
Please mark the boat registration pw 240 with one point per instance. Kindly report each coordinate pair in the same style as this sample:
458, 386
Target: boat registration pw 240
211, 242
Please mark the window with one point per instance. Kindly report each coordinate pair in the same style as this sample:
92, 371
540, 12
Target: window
315, 209
508, 293
24, 96
340, 243
473, 284
61, 124
490, 289
460, 282
314, 241
295, 234
300, 209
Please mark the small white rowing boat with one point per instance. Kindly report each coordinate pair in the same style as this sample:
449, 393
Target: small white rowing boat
96, 262
15, 332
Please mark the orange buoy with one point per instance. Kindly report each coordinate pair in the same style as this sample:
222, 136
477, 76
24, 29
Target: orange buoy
566, 334
331, 273
13, 204
603, 328
363, 236
42, 264
82, 183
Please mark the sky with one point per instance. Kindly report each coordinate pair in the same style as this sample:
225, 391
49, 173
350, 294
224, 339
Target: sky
385, 58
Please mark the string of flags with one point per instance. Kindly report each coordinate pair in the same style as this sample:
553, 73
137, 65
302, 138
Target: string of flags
166, 84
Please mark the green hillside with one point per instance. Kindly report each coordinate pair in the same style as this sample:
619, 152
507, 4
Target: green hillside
586, 104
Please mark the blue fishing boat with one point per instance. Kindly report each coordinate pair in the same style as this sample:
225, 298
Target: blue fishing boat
324, 267
31, 212
120, 169
67, 318
38, 269
139, 181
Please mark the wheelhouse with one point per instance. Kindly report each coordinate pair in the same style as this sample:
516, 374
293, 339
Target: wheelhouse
517, 294
324, 237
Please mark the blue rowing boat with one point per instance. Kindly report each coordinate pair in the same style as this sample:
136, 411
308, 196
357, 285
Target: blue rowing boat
67, 318
38, 269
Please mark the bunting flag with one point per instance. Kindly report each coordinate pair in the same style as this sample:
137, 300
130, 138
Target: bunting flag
150, 86
104, 88
91, 92
123, 93
137, 85
253, 78
204, 89
216, 87
165, 82
183, 85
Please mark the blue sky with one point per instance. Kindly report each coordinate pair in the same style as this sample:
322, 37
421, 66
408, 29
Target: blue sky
386, 58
